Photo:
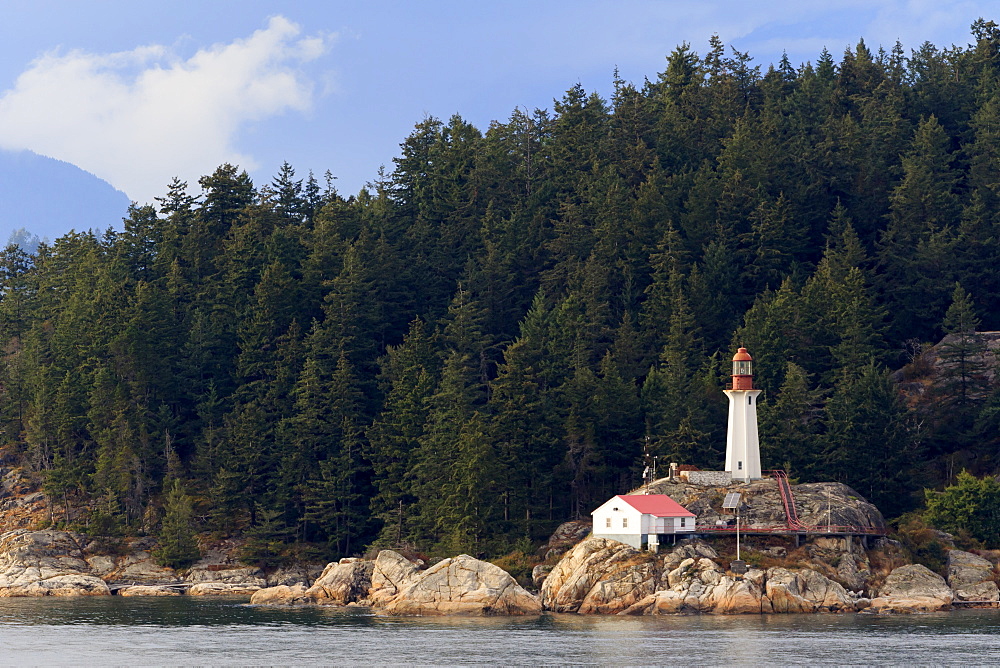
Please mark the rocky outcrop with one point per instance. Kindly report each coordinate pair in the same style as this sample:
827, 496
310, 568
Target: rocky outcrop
539, 573
304, 574
281, 595
701, 586
806, 591
223, 589
45, 563
135, 566
564, 537
913, 588
235, 574
818, 504
971, 577
23, 505
149, 590
921, 380
462, 585
604, 576
343, 582
600, 575
391, 573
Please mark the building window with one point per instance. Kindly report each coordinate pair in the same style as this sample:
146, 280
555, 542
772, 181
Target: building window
624, 522
608, 525
683, 519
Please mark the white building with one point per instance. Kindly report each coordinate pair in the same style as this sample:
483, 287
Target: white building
635, 519
742, 443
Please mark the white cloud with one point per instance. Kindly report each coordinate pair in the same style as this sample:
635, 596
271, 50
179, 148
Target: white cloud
140, 117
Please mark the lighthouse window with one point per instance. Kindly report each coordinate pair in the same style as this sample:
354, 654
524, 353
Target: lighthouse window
624, 522
750, 400
739, 466
608, 524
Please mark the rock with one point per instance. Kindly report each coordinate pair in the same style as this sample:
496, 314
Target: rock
600, 575
539, 573
222, 589
817, 504
238, 574
805, 591
46, 563
139, 566
737, 597
463, 585
689, 549
281, 595
391, 573
298, 574
913, 588
341, 583
854, 570
148, 590
971, 577
60, 585
566, 536
709, 591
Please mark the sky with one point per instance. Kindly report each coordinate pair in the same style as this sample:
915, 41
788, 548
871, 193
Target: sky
138, 93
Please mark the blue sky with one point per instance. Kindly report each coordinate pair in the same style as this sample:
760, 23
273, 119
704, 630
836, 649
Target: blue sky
139, 92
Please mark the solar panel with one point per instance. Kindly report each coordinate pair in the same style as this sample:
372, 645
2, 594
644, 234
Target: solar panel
732, 501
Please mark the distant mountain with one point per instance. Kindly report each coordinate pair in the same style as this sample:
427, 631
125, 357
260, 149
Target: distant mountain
49, 197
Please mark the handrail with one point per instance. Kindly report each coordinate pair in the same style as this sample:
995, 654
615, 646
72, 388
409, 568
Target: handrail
785, 489
833, 529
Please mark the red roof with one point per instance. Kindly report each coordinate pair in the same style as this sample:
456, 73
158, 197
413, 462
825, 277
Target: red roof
659, 505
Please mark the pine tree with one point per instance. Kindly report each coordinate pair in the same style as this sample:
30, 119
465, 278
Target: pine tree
178, 547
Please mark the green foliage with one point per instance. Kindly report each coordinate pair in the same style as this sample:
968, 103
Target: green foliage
970, 505
178, 547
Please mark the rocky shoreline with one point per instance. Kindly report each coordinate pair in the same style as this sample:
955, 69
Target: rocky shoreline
593, 576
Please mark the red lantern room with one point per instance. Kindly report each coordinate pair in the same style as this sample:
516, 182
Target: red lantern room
742, 370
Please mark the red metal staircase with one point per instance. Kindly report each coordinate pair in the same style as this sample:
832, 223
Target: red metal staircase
791, 515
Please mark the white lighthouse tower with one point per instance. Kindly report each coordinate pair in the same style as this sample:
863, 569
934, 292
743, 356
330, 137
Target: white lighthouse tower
742, 445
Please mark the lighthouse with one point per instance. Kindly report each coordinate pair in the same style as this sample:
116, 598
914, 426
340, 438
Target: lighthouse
742, 445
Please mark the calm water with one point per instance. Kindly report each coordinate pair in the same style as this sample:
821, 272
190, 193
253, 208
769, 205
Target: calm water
199, 631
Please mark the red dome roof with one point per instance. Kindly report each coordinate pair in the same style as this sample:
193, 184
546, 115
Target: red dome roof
742, 356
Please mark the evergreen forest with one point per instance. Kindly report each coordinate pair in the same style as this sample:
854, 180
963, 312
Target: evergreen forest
506, 328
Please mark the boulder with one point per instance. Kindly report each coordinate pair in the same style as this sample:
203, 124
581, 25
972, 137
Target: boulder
689, 549
600, 575
971, 577
148, 590
281, 595
854, 570
463, 585
222, 589
391, 573
341, 583
913, 588
539, 573
566, 536
805, 591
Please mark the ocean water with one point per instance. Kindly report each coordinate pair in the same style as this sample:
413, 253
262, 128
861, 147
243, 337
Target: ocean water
224, 631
